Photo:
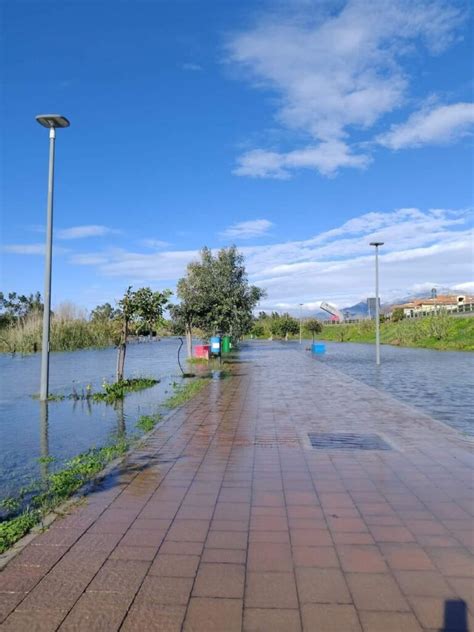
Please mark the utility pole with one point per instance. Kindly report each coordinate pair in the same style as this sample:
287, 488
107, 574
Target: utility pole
301, 319
51, 121
377, 301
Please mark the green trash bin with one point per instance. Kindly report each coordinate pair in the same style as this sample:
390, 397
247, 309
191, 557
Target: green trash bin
226, 344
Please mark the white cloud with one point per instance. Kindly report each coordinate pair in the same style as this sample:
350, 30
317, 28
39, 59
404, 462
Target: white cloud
155, 244
335, 69
79, 232
433, 246
32, 249
439, 124
247, 230
326, 158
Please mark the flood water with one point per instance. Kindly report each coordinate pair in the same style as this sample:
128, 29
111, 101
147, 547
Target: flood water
70, 427
438, 382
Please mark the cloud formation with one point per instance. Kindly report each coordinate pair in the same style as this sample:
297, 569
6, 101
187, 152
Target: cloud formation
79, 232
422, 247
439, 124
335, 71
247, 230
32, 249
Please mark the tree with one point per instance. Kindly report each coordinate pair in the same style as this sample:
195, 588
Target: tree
398, 314
284, 325
104, 312
142, 308
216, 296
19, 306
313, 326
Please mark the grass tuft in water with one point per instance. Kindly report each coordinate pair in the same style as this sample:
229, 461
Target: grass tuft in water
146, 423
55, 489
184, 392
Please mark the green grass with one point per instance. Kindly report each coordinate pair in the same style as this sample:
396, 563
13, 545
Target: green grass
146, 423
117, 390
53, 490
113, 391
441, 332
185, 392
66, 335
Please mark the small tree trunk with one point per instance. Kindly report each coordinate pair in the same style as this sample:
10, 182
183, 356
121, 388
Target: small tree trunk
286, 336
189, 340
122, 350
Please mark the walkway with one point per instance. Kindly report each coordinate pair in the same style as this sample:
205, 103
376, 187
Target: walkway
228, 520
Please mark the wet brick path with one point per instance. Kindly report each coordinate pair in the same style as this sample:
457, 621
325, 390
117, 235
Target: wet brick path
228, 520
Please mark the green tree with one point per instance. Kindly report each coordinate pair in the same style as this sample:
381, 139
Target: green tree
284, 325
142, 309
103, 312
17, 307
313, 326
398, 314
216, 296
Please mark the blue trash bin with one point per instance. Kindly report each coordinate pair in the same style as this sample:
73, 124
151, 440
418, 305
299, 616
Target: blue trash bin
216, 345
318, 347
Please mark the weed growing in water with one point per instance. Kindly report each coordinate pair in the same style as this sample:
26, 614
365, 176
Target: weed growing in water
184, 392
54, 489
146, 423
118, 390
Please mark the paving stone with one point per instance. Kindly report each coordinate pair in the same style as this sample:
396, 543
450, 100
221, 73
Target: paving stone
267, 620
389, 622
220, 580
154, 618
372, 591
213, 615
330, 618
270, 590
322, 585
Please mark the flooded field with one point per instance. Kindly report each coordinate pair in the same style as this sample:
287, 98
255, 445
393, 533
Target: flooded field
438, 382
70, 427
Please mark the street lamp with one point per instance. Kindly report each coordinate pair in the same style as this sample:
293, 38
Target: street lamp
51, 121
301, 318
377, 301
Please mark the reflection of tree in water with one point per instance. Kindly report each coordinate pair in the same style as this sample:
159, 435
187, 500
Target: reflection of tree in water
121, 428
44, 439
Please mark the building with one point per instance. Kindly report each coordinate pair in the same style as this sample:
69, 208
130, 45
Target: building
425, 306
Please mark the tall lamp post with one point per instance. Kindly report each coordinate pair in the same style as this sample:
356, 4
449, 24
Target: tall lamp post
301, 319
51, 121
377, 301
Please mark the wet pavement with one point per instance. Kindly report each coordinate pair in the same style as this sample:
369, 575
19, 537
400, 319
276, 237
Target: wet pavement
228, 519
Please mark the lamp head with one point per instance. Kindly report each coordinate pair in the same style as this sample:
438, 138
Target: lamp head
376, 243
52, 120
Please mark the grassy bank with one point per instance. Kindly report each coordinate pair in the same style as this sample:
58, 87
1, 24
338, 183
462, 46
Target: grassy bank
435, 332
67, 334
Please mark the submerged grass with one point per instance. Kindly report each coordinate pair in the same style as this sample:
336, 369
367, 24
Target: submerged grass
54, 489
117, 390
112, 392
184, 392
146, 423
35, 501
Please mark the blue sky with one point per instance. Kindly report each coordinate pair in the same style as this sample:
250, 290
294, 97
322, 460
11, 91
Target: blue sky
299, 131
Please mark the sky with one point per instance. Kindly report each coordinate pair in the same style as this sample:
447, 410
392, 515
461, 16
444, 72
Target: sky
299, 131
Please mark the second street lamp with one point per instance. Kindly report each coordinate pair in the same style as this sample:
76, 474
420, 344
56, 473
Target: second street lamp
51, 121
377, 301
301, 319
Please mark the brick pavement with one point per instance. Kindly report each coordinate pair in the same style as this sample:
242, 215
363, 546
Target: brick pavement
227, 519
